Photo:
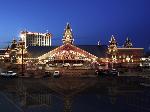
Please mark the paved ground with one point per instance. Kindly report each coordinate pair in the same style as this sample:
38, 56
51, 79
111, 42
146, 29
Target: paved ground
110, 86
7, 105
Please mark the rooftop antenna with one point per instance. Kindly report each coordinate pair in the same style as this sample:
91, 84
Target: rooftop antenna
99, 43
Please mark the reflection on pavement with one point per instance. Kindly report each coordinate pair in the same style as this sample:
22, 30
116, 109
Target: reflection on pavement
74, 95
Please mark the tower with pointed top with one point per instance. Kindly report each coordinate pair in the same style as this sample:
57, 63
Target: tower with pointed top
68, 36
13, 44
112, 48
128, 43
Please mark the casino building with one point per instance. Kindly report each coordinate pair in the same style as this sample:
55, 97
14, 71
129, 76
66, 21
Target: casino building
68, 52
36, 39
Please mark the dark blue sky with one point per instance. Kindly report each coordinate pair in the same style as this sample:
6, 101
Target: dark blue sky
91, 20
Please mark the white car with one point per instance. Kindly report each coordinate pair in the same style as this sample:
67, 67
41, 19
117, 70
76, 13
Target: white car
78, 65
8, 73
56, 74
66, 64
51, 65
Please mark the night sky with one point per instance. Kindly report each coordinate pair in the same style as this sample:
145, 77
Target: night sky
91, 20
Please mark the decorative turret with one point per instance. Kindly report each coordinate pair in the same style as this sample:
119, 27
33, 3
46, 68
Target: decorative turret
14, 44
21, 44
128, 43
112, 48
113, 41
68, 36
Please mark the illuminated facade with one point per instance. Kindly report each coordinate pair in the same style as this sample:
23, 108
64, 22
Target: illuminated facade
44, 53
67, 52
36, 39
125, 54
13, 53
70, 53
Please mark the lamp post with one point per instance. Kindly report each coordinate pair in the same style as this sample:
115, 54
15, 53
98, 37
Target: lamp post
112, 63
22, 61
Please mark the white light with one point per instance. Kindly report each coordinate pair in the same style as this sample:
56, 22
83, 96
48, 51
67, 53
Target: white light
128, 59
143, 59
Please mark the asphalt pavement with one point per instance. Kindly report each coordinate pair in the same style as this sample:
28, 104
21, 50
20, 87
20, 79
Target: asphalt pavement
7, 105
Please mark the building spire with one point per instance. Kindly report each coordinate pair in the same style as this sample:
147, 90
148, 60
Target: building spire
112, 41
68, 26
68, 36
112, 47
128, 43
14, 41
99, 43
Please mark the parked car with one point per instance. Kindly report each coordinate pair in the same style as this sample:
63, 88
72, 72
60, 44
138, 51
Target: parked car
66, 64
78, 65
47, 74
113, 73
56, 74
107, 73
102, 72
8, 74
51, 65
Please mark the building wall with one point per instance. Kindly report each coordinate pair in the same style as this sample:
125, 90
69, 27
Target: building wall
130, 55
36, 39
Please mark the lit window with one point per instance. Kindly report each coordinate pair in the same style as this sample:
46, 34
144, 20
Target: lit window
124, 56
132, 60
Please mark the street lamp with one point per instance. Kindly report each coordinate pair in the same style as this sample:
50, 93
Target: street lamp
22, 60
